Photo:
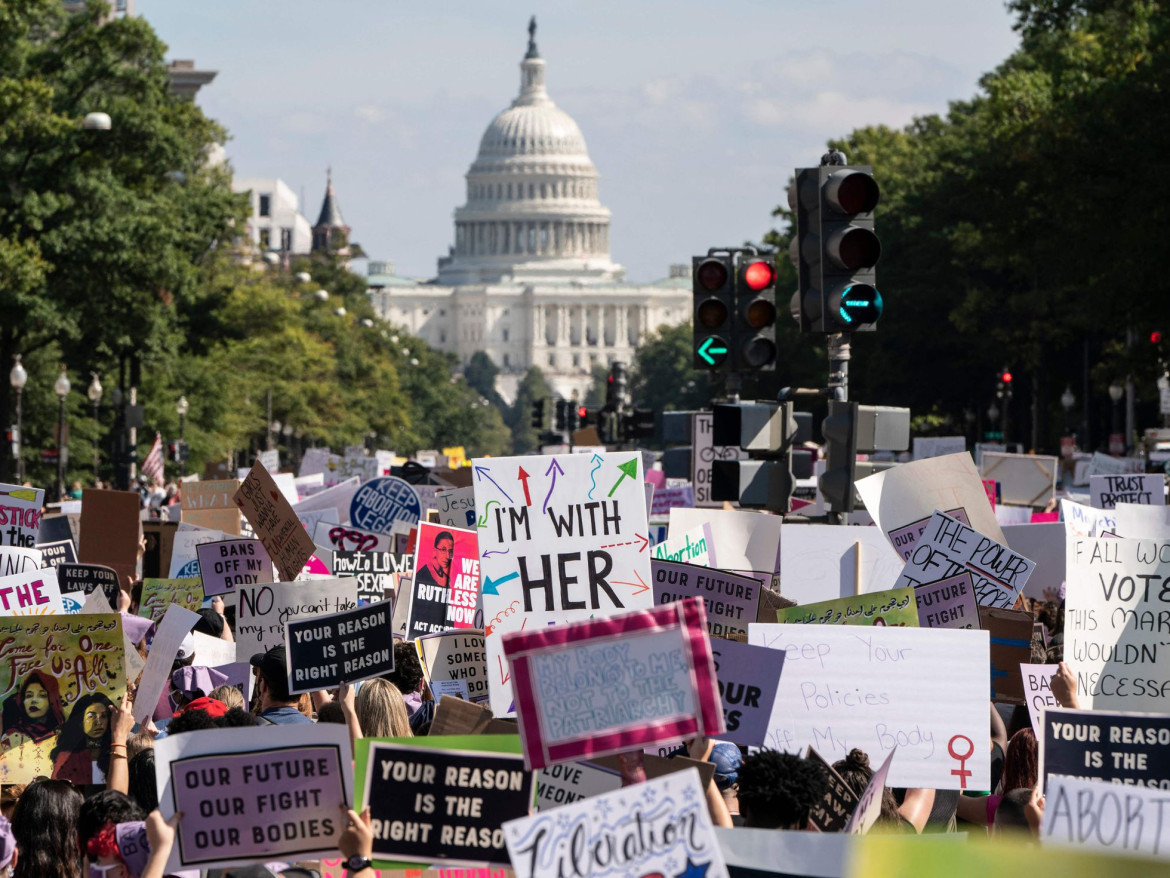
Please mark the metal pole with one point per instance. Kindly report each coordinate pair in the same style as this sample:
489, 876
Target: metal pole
839, 356
61, 452
268, 443
182, 455
19, 442
132, 442
96, 443
1129, 419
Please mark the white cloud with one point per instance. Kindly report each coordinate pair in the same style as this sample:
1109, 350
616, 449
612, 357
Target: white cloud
370, 114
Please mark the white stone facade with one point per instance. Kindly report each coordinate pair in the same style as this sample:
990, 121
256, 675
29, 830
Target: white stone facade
276, 222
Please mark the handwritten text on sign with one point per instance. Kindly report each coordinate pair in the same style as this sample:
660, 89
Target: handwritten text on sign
273, 519
949, 547
922, 690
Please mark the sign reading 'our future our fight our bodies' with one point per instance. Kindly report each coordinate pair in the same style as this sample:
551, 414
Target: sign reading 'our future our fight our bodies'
561, 538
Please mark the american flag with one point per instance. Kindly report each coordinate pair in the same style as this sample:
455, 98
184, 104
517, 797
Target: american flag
152, 467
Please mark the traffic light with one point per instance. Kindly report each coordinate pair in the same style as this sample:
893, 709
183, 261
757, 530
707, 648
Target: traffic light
538, 414
769, 433
713, 293
638, 425
835, 249
839, 429
755, 300
562, 415
617, 388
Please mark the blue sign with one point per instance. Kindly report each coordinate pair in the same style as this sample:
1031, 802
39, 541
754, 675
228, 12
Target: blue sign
380, 502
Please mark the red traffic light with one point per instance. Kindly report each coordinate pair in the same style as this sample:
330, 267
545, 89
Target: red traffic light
1006, 378
758, 276
1155, 337
582, 412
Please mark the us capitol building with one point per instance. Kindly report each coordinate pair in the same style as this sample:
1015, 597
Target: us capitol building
530, 280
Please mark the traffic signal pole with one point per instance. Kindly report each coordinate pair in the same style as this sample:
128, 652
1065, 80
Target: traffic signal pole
839, 355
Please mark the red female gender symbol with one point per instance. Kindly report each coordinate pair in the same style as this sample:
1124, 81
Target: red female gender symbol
962, 772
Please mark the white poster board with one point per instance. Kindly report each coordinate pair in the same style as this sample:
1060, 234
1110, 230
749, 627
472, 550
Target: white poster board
262, 610
1099, 815
746, 542
1024, 479
822, 562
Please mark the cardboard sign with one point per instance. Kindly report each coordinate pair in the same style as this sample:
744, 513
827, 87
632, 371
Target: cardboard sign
747, 542
158, 594
1044, 543
458, 655
607, 834
571, 782
110, 531
374, 572
948, 603
223, 566
58, 553
704, 452
906, 539
731, 601
444, 590
821, 562
275, 523
899, 497
184, 549
1145, 490
949, 547
1141, 522
346, 538
609, 685
456, 508
1084, 521
1114, 628
564, 537
326, 651
263, 610
893, 608
442, 805
696, 547
20, 515
1011, 645
1129, 749
210, 504
380, 502
1038, 692
869, 806
32, 593
91, 648
748, 679
923, 690
175, 625
1024, 479
937, 446
336, 498
251, 795
17, 560
834, 811
1100, 815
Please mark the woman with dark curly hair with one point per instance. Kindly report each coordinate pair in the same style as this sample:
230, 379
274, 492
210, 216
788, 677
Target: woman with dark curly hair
34, 713
45, 826
84, 740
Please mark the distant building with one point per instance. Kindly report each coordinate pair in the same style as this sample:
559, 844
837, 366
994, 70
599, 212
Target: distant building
276, 223
330, 233
186, 80
530, 280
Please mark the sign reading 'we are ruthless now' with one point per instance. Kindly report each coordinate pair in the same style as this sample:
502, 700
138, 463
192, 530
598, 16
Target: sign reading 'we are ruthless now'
325, 651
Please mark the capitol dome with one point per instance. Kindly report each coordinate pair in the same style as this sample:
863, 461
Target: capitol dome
532, 210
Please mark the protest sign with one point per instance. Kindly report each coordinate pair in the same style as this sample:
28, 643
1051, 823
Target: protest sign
869, 806
459, 656
17, 560
225, 565
893, 608
694, 547
274, 522
665, 499
374, 572
1106, 465
263, 610
35, 592
187, 538
176, 623
746, 542
158, 594
346, 538
906, 539
748, 678
948, 603
444, 591
442, 688
58, 553
1044, 543
904, 495
110, 531
1145, 490
1093, 814
607, 833
923, 690
56, 668
580, 692
1038, 692
704, 452
1084, 521
1115, 623
247, 795
1024, 479
937, 446
336, 498
820, 562
755, 853
834, 811
1137, 522
325, 651
55, 528
563, 538
731, 601
445, 805
83, 579
948, 547
456, 508
210, 505
20, 515
380, 502
572, 781
1010, 632
1123, 748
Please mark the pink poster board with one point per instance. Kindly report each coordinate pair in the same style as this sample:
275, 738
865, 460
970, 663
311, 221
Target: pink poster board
609, 685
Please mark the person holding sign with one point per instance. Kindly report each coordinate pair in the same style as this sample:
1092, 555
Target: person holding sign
277, 706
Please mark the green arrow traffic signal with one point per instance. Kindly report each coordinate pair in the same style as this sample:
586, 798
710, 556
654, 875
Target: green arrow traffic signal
713, 350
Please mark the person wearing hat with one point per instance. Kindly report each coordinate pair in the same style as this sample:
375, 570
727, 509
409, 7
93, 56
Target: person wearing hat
277, 707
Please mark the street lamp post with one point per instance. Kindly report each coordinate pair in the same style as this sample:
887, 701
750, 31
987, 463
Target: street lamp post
17, 378
181, 407
1067, 401
61, 387
1116, 392
95, 397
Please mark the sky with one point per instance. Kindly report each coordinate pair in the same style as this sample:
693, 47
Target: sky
695, 113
